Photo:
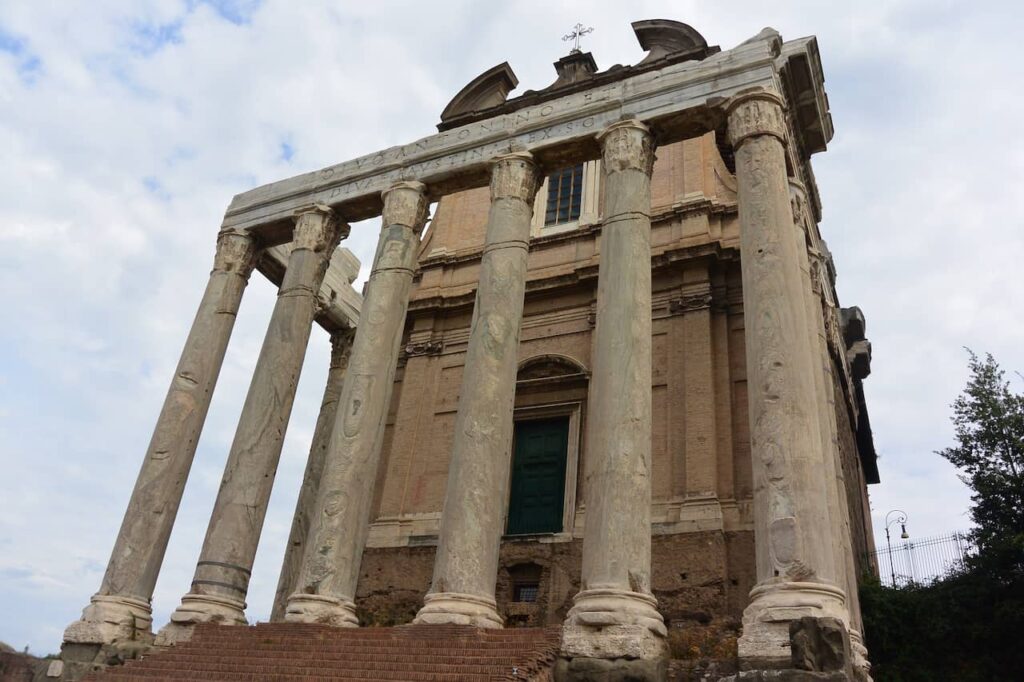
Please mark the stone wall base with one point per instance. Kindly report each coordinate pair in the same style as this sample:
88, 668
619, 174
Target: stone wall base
79, 659
611, 670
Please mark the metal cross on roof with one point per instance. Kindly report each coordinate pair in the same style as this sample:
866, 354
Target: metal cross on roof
578, 31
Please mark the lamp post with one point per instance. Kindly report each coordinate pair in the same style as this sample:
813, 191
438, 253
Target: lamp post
901, 519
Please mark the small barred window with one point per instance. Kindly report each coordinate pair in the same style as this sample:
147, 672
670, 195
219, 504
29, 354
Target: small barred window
565, 195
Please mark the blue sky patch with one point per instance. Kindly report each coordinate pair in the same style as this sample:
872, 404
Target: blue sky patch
29, 66
238, 12
287, 151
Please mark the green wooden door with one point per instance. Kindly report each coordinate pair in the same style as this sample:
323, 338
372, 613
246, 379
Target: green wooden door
538, 476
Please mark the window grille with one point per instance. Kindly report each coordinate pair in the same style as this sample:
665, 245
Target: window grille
526, 592
565, 195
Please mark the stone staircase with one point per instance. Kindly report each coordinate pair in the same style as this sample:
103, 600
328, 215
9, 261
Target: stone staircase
314, 653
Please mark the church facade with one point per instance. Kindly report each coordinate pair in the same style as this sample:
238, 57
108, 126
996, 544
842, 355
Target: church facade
606, 385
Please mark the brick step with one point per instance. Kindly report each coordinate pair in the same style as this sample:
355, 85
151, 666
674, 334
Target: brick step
263, 657
318, 653
242, 665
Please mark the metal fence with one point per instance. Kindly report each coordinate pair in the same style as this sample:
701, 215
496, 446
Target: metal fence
921, 560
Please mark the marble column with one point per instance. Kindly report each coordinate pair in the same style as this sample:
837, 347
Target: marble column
330, 566
466, 564
818, 301
221, 579
305, 507
614, 614
121, 611
796, 568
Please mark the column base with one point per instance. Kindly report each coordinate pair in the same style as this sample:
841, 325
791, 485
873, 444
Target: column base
765, 641
110, 619
598, 643
603, 607
452, 608
315, 608
200, 608
861, 665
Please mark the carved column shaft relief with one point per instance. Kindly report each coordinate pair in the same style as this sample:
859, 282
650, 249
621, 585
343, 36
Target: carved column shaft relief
466, 564
616, 571
121, 608
339, 523
221, 580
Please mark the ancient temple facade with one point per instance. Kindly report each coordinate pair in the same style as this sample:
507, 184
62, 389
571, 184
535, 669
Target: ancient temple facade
606, 385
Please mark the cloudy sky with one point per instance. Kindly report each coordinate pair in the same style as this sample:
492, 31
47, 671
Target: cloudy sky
126, 128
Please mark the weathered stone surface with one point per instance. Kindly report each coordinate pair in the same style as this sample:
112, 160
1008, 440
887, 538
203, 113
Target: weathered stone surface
222, 574
472, 522
611, 670
820, 644
796, 566
305, 506
330, 565
120, 611
616, 580
338, 303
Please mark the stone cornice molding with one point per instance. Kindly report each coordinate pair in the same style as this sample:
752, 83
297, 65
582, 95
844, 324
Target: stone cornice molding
679, 100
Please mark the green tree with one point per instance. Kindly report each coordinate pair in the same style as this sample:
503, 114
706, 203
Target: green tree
988, 419
967, 625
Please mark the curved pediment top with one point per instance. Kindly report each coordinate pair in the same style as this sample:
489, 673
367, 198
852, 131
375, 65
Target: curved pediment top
550, 366
664, 37
487, 90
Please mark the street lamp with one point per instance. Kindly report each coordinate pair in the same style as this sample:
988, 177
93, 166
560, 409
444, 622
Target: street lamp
901, 519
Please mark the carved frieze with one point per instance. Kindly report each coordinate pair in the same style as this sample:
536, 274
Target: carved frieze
424, 348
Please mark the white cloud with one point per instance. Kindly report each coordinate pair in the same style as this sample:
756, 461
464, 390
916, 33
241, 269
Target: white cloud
125, 128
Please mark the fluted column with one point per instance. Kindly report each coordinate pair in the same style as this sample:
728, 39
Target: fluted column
614, 614
330, 566
466, 564
796, 568
121, 611
305, 506
221, 579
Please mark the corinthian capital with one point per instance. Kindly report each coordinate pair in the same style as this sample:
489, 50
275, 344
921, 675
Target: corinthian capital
405, 203
756, 113
627, 145
318, 228
236, 252
515, 176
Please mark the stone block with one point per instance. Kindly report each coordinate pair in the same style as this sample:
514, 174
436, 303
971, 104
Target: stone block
613, 670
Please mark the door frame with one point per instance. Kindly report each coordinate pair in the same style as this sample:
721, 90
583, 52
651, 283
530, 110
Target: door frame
574, 411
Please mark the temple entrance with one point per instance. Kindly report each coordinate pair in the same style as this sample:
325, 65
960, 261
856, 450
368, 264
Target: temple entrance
537, 499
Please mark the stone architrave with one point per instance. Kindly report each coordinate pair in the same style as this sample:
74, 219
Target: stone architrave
305, 506
221, 579
796, 568
466, 564
614, 615
120, 611
330, 567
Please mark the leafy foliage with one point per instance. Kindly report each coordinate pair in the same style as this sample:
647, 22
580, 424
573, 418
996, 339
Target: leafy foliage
989, 422
967, 625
